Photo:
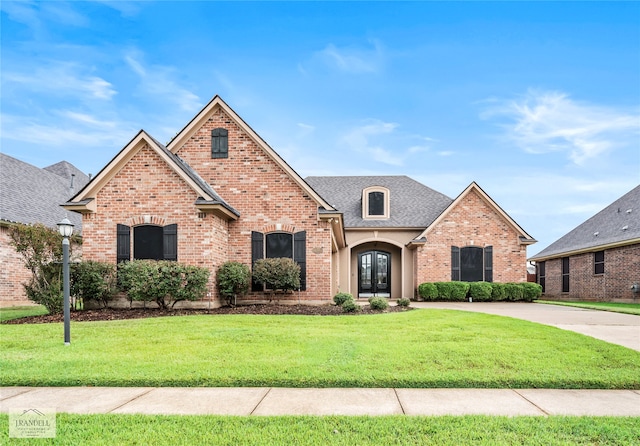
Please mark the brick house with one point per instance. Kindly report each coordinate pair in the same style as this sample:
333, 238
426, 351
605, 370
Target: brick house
597, 260
29, 195
217, 192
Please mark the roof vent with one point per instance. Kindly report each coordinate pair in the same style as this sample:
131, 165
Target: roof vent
625, 227
595, 234
629, 211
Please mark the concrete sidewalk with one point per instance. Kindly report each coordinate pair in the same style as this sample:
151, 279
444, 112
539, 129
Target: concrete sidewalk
290, 401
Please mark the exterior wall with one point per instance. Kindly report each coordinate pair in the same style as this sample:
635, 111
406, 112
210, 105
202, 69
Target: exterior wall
145, 191
265, 195
393, 241
12, 274
621, 271
471, 223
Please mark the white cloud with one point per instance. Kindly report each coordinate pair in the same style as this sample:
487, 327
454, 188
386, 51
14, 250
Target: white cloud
351, 59
549, 121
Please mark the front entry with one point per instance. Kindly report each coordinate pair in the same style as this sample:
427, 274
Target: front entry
374, 278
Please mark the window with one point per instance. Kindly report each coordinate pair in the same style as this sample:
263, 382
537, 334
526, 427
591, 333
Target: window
219, 143
280, 244
565, 274
472, 264
149, 242
542, 275
375, 203
598, 262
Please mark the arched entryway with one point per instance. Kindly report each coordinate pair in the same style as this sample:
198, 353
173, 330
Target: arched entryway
374, 273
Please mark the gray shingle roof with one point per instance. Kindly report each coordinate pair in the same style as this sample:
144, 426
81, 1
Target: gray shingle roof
412, 204
31, 195
605, 228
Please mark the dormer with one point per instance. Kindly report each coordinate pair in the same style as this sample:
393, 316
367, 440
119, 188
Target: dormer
375, 203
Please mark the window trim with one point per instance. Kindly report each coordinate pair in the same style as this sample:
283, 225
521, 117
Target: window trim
598, 263
386, 203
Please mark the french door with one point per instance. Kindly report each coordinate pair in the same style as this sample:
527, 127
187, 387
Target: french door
374, 274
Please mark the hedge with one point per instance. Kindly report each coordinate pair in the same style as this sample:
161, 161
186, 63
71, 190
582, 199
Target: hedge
455, 291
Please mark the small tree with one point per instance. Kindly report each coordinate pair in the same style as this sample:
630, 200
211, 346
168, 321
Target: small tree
95, 281
233, 279
277, 273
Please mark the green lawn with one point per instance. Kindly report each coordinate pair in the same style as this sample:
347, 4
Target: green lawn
604, 306
420, 348
333, 430
8, 313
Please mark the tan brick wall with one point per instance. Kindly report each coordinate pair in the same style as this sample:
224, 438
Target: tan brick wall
264, 194
13, 272
471, 223
147, 189
621, 270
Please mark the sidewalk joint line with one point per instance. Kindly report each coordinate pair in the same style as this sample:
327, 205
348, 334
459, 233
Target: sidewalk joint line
31, 389
260, 402
399, 401
531, 402
132, 399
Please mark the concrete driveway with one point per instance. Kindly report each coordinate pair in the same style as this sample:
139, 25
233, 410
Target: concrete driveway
616, 328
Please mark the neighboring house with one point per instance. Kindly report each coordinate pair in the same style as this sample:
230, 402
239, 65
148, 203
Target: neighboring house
217, 192
599, 259
30, 195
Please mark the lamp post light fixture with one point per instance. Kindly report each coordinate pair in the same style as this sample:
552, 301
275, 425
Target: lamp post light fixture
66, 229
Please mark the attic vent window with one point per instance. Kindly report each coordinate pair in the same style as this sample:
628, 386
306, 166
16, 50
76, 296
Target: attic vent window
219, 143
375, 203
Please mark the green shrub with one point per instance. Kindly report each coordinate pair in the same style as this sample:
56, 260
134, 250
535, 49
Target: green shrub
350, 306
513, 291
532, 291
459, 290
403, 302
163, 282
233, 279
46, 288
378, 303
480, 291
427, 291
341, 298
93, 281
498, 291
444, 290
277, 273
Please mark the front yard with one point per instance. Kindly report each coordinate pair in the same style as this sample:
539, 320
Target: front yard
420, 348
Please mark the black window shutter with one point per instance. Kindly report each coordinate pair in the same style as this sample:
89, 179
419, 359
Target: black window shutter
300, 256
455, 263
488, 264
257, 252
170, 242
219, 143
123, 243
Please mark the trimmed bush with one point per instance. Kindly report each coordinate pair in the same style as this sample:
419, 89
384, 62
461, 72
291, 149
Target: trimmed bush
341, 298
93, 281
378, 303
350, 306
532, 291
513, 291
498, 291
46, 287
404, 302
277, 273
444, 290
427, 291
163, 282
480, 291
233, 279
459, 290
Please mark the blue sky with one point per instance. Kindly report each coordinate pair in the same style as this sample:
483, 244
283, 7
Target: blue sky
539, 102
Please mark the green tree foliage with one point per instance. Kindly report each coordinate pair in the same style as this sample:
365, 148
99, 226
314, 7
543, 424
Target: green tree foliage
233, 280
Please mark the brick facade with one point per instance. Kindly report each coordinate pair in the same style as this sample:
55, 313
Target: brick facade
621, 271
13, 272
471, 222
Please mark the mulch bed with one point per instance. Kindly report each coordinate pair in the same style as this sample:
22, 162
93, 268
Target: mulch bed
112, 314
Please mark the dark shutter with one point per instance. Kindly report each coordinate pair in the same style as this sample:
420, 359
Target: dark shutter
300, 256
488, 264
170, 242
455, 263
123, 243
219, 143
257, 252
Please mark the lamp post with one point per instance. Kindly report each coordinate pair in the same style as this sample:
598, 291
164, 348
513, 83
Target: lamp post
66, 229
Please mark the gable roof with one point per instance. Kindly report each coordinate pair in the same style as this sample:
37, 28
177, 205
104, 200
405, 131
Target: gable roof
616, 225
207, 199
473, 187
32, 195
412, 204
183, 135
